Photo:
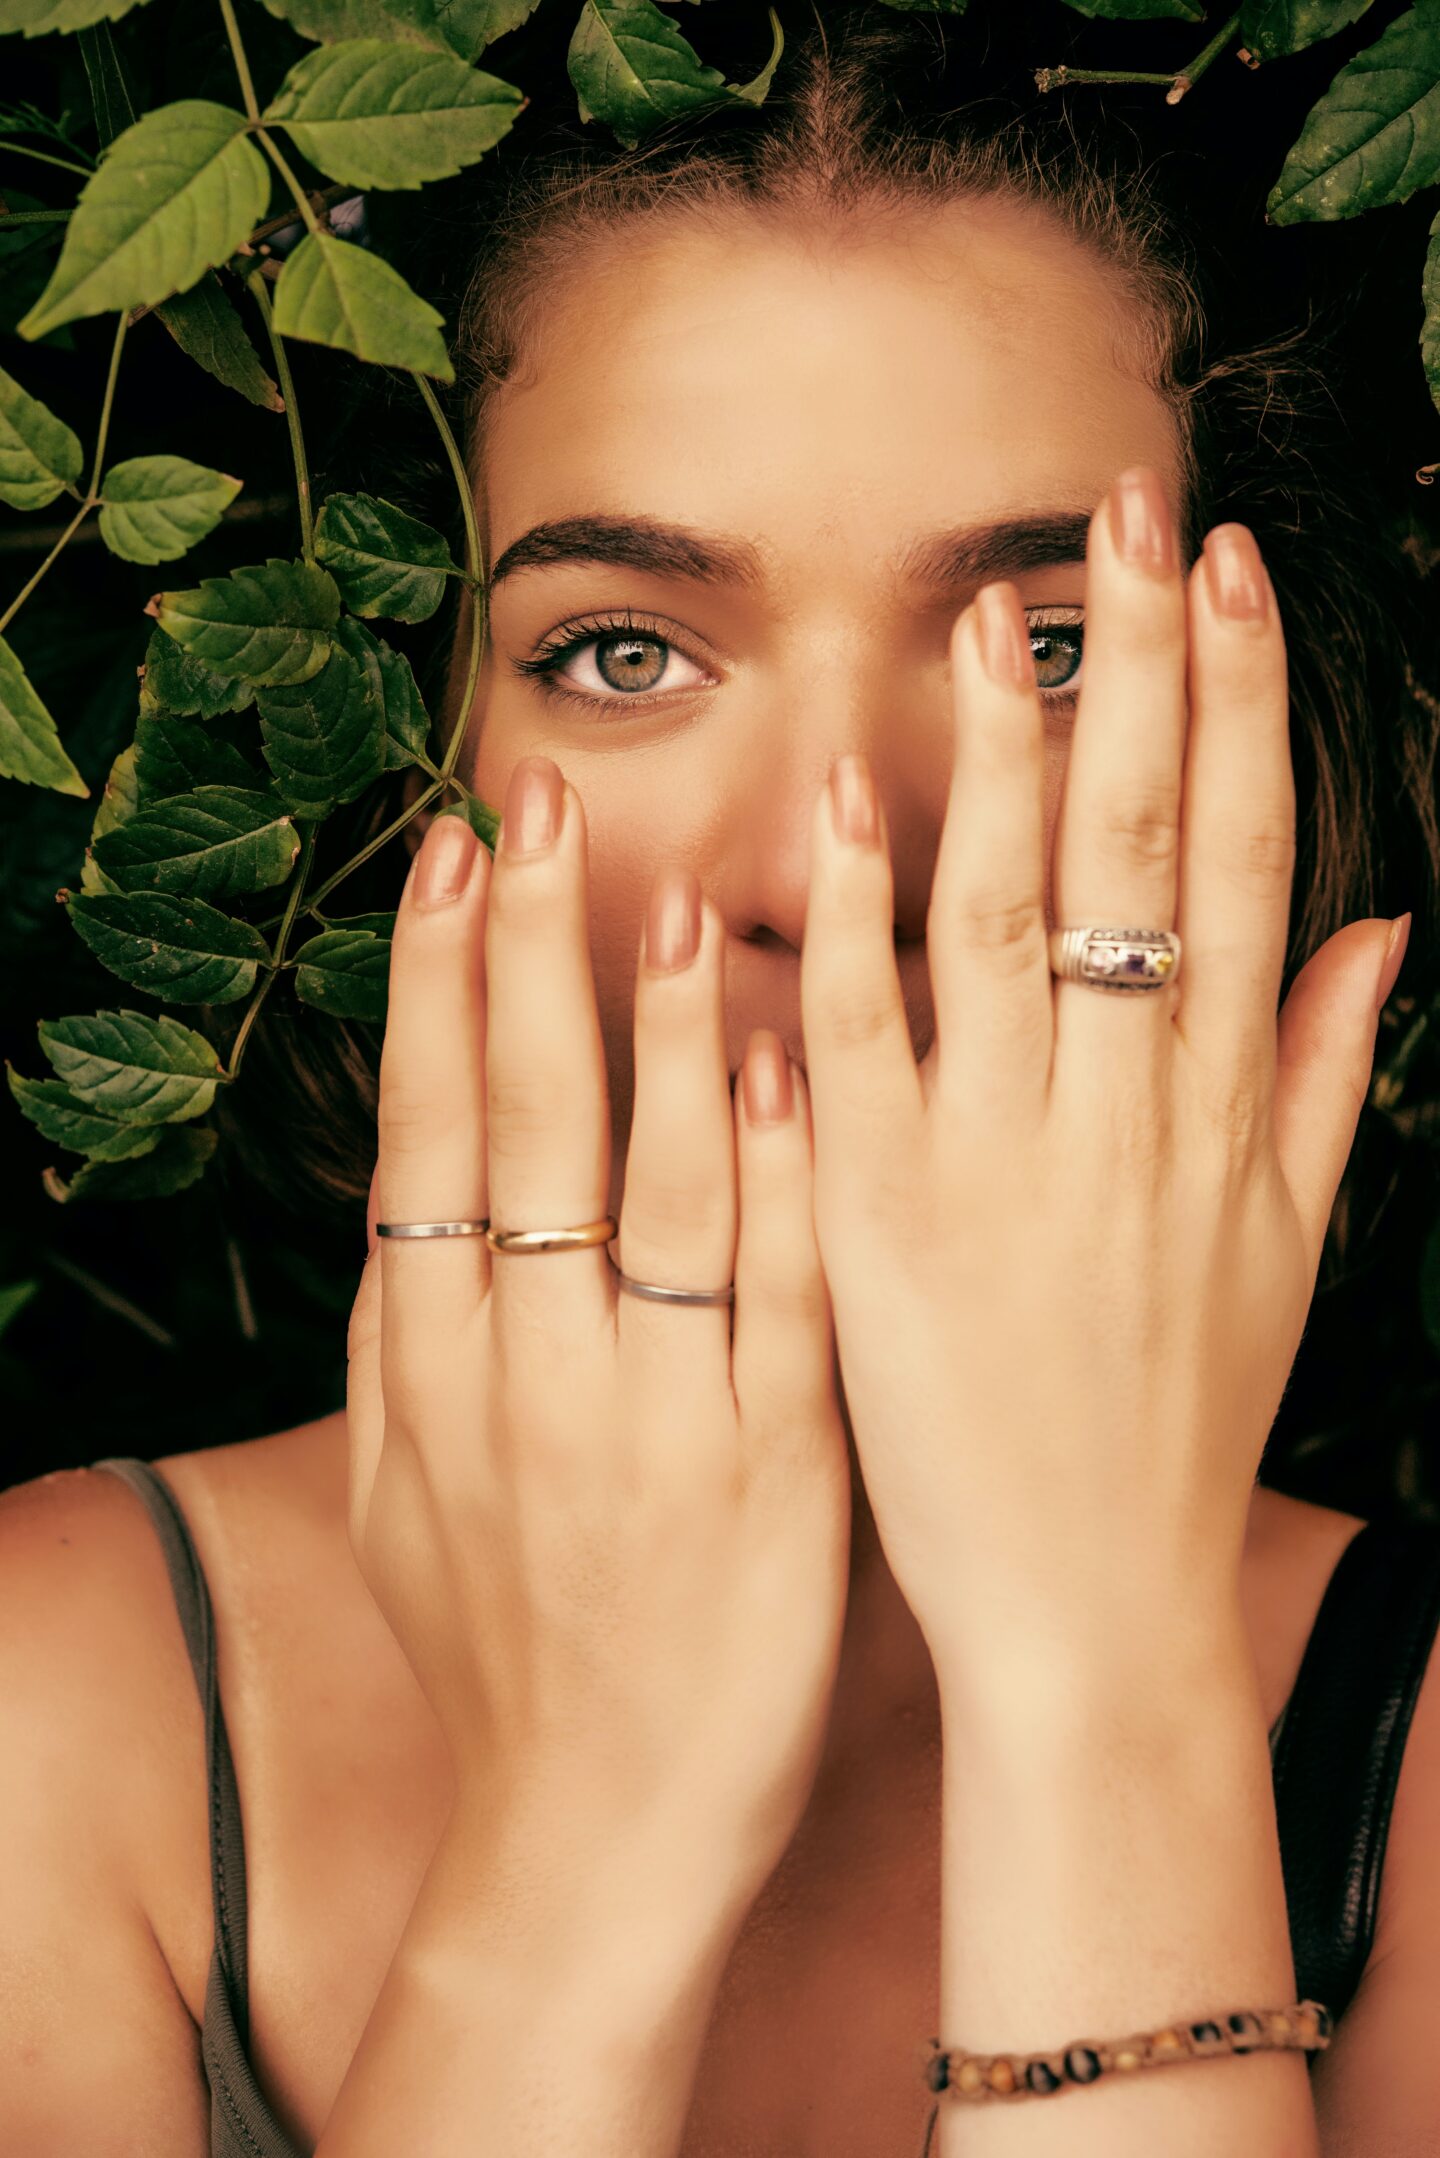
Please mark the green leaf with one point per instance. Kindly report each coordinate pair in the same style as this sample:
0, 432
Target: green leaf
633, 70
173, 195
269, 624
1430, 328
208, 330
216, 843
331, 292
344, 972
110, 99
120, 796
135, 1069
13, 1299
930, 7
30, 749
1139, 10
178, 1160
384, 562
34, 18
381, 924
481, 818
324, 739
174, 755
392, 678
39, 455
65, 1120
375, 114
1269, 29
1374, 136
154, 508
172, 677
465, 27
179, 950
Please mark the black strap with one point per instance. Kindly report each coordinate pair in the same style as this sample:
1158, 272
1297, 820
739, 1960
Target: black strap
227, 1839
1339, 1748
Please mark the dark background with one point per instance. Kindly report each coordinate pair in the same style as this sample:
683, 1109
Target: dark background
218, 1314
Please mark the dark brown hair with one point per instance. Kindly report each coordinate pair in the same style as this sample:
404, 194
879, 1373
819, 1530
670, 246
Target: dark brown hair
856, 128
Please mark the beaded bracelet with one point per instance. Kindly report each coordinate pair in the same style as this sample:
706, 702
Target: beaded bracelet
977, 2077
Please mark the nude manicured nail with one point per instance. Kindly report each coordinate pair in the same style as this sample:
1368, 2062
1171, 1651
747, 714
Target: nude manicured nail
1004, 639
442, 866
533, 803
765, 1078
1140, 522
852, 800
672, 924
1236, 574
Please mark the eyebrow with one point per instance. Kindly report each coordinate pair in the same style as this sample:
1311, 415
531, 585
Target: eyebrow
962, 554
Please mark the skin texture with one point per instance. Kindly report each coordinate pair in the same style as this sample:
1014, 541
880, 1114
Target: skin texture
830, 402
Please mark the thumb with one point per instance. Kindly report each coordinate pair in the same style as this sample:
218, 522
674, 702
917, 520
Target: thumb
1325, 1054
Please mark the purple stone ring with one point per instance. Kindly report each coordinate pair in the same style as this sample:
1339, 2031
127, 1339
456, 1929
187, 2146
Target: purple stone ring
1124, 959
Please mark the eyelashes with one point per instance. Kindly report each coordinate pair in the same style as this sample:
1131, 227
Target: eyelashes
1057, 636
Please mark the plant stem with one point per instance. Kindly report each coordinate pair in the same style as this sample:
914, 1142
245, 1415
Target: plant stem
475, 569
1189, 76
255, 284
93, 494
287, 922
302, 200
374, 845
1055, 78
242, 65
47, 157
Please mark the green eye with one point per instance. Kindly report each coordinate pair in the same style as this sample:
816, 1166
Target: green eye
1057, 648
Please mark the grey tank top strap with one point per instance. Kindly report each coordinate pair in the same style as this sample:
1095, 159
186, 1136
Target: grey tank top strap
241, 2123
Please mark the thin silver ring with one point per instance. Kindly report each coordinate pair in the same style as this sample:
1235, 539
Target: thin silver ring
432, 1228
653, 1289
1128, 960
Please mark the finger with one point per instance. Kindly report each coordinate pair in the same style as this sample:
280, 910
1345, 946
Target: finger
364, 1401
1117, 840
989, 970
864, 1081
679, 1212
1237, 859
431, 1162
547, 1096
782, 1354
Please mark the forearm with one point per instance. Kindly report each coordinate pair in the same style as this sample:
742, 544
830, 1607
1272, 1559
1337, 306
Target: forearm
536, 2003
1111, 1865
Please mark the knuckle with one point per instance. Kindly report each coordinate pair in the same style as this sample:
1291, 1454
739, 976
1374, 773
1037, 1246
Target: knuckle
857, 1017
521, 1110
408, 1117
1263, 855
1003, 925
1143, 826
662, 1203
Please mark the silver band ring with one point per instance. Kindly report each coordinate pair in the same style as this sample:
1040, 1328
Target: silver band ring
523, 1240
1123, 959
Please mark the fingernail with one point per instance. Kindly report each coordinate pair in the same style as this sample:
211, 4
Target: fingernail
672, 924
1140, 523
852, 800
532, 805
1394, 955
1004, 639
442, 865
765, 1078
1236, 574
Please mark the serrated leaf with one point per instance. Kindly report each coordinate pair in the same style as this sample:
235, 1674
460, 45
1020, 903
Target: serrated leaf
36, 18
269, 623
174, 678
173, 195
633, 70
481, 818
1269, 29
120, 795
330, 292
217, 843
1139, 10
344, 972
154, 508
13, 1298
1430, 327
379, 924
384, 562
93, 880
1374, 136
464, 27
323, 739
39, 455
376, 114
65, 1120
177, 1161
180, 950
392, 678
136, 1069
30, 748
208, 330
173, 755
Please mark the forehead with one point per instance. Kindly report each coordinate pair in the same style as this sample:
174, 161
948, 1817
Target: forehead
797, 385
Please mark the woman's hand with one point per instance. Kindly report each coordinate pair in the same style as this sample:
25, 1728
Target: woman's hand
1071, 1255
612, 1543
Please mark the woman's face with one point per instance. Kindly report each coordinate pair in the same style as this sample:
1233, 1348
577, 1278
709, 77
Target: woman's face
823, 433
